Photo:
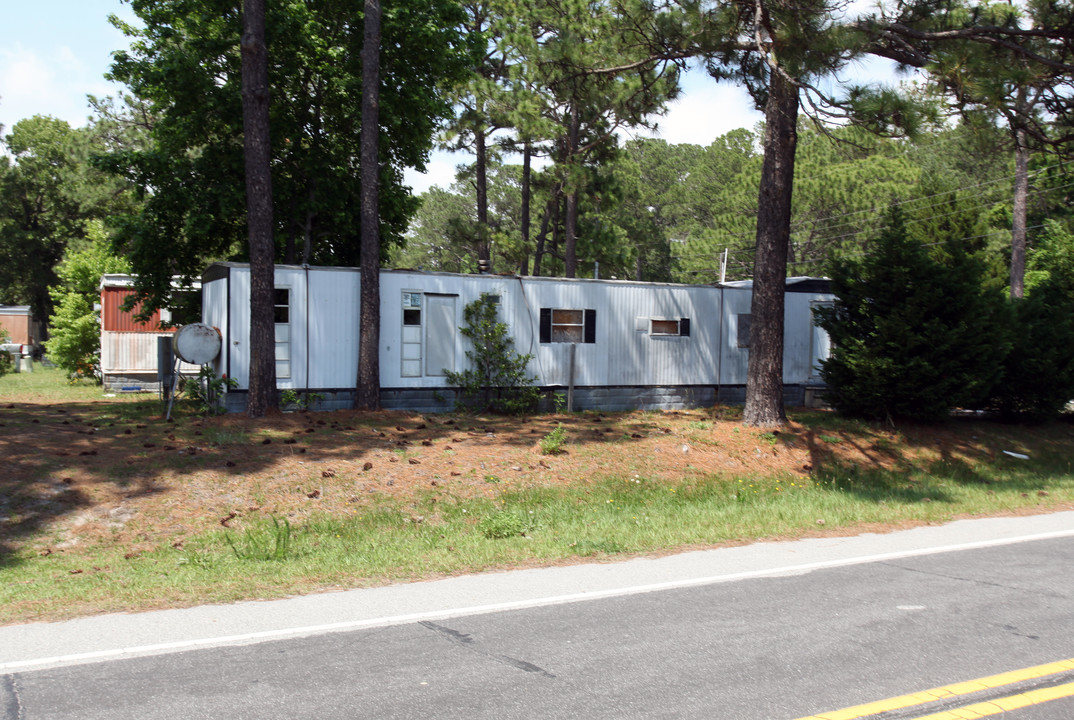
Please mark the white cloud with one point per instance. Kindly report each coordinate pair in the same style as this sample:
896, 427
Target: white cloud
56, 82
705, 111
23, 74
68, 61
440, 171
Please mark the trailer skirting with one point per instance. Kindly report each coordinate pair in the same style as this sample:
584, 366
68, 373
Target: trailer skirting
610, 399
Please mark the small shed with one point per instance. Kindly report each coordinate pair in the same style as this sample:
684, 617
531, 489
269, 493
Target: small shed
618, 344
129, 346
18, 322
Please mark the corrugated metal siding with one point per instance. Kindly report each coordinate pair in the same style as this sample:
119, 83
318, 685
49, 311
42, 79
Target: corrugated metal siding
734, 360
798, 336
238, 337
114, 319
214, 313
132, 352
333, 330
625, 353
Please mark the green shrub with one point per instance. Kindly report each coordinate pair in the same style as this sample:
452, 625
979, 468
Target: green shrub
206, 391
504, 524
74, 342
552, 443
913, 336
497, 380
7, 363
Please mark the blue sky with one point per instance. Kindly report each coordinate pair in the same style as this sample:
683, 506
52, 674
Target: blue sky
53, 53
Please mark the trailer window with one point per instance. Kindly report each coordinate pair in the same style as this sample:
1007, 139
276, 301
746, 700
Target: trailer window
562, 325
281, 312
744, 322
678, 328
411, 346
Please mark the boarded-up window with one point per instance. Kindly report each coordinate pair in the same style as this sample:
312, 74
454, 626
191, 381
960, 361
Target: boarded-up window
744, 322
560, 325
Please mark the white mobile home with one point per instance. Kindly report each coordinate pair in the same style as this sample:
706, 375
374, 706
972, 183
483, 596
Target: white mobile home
618, 344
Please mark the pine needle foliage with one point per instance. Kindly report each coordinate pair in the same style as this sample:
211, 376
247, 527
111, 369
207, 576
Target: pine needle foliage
914, 334
1038, 377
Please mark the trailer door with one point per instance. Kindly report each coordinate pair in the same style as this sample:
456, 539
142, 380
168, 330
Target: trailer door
440, 332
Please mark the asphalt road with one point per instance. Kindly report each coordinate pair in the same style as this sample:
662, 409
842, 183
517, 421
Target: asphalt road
783, 630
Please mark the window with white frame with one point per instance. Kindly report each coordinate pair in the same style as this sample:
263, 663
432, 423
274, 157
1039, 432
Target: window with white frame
411, 345
679, 327
281, 313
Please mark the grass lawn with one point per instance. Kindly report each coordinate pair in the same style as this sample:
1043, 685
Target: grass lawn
105, 506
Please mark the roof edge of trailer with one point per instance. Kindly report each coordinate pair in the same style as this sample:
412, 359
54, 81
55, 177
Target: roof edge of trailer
121, 280
797, 284
219, 270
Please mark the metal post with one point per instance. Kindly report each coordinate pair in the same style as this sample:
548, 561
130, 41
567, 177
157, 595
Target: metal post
171, 393
570, 381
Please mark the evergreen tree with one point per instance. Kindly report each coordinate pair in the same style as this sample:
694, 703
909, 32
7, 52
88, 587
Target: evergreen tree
498, 379
257, 157
184, 65
913, 336
1038, 375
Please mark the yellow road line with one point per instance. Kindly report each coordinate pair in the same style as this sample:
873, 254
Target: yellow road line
948, 691
1005, 704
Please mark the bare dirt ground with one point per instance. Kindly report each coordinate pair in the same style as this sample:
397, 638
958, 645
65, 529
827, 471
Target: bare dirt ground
80, 474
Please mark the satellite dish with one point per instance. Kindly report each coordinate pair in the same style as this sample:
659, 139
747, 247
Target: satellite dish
197, 343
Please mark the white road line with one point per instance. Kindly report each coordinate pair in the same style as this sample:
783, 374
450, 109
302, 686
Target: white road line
245, 638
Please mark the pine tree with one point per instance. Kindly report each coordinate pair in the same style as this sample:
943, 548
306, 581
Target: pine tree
1038, 377
913, 336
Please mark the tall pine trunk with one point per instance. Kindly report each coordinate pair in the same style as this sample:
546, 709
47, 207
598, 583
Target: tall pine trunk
1018, 224
367, 392
523, 268
570, 224
538, 248
764, 374
257, 153
482, 187
570, 236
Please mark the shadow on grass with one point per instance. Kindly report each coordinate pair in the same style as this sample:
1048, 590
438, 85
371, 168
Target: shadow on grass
908, 462
62, 459
88, 456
